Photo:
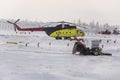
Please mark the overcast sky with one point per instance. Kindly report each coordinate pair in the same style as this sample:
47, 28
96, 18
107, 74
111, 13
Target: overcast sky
104, 11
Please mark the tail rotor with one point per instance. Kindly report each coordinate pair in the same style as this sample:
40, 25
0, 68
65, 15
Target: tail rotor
17, 21
10, 22
14, 23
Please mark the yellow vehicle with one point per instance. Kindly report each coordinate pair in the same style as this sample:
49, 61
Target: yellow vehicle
65, 32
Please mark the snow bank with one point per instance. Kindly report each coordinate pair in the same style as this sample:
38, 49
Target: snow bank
52, 59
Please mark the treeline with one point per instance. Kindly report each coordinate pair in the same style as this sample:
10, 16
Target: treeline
97, 27
88, 27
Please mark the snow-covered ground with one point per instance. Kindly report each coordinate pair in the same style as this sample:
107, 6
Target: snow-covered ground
44, 58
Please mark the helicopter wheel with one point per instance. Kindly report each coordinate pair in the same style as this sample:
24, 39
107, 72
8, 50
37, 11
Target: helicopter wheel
57, 38
66, 38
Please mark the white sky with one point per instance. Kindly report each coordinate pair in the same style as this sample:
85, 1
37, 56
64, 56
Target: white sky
104, 11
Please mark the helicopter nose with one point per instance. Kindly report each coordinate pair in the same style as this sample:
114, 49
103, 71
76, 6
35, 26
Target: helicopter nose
82, 34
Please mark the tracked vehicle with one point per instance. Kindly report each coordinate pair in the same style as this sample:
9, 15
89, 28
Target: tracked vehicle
83, 50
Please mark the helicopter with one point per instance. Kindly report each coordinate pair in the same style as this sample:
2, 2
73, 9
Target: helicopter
64, 30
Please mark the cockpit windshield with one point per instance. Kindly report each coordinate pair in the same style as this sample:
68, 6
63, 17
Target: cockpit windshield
80, 32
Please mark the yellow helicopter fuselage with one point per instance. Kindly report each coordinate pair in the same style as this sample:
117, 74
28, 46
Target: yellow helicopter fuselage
67, 33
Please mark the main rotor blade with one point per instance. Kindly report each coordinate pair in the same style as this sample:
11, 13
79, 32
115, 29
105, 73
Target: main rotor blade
62, 22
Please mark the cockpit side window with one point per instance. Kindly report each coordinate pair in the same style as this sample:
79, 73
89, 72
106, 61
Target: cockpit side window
79, 31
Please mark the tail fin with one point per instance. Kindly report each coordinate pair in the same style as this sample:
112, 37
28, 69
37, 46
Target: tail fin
15, 25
